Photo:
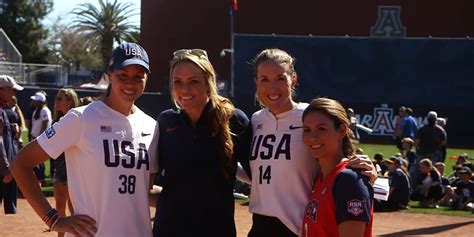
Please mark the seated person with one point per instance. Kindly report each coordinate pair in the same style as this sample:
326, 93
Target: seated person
409, 155
379, 164
463, 195
428, 185
445, 185
399, 194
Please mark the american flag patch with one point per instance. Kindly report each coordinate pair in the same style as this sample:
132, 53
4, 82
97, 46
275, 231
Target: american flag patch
105, 128
50, 132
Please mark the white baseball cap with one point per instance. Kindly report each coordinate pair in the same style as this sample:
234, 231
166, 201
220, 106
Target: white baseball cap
39, 96
8, 81
432, 115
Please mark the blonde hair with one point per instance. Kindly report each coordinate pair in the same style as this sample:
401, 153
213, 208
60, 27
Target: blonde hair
221, 109
334, 110
278, 56
427, 162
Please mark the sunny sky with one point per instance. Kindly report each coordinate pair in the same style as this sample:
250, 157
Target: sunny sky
63, 7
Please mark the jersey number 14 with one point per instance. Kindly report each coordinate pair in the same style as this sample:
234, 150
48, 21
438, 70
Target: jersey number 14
265, 174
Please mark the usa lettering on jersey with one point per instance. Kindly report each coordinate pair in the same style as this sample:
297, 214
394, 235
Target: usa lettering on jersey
124, 154
267, 147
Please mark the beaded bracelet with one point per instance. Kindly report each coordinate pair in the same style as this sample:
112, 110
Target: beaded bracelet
49, 215
55, 221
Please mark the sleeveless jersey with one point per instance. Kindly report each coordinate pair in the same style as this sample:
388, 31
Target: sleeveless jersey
282, 168
108, 166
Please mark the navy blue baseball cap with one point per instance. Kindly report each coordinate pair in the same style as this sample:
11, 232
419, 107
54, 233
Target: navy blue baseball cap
129, 54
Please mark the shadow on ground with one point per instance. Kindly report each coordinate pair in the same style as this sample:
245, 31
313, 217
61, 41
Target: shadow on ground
429, 230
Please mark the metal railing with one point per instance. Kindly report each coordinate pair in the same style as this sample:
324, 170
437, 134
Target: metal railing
35, 74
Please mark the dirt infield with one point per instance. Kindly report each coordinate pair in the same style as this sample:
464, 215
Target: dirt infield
26, 223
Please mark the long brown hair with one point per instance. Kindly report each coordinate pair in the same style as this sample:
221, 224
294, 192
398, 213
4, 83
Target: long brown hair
71, 96
221, 109
334, 110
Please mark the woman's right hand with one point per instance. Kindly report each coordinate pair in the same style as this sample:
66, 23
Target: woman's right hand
78, 225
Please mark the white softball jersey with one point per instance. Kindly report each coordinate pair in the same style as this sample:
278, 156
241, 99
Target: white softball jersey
108, 166
283, 170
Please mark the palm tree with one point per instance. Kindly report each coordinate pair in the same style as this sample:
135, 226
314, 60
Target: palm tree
105, 24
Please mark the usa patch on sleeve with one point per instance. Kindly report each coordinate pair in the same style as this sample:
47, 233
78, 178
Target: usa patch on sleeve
50, 132
355, 207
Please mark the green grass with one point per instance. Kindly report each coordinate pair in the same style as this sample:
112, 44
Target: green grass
389, 150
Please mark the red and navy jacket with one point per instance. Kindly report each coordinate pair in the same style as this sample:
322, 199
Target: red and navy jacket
344, 195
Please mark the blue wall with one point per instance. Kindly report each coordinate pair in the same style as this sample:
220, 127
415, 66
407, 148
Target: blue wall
372, 73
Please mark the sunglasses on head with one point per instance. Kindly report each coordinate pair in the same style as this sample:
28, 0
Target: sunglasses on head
200, 53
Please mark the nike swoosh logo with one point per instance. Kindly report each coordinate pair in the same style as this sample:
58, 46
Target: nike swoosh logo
292, 127
168, 130
145, 134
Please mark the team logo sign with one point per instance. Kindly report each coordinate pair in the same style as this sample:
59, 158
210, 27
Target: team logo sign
312, 210
355, 207
389, 23
50, 132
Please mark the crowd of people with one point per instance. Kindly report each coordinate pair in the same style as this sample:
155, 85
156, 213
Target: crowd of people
419, 175
306, 176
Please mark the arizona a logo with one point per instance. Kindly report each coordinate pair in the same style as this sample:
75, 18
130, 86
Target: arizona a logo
389, 23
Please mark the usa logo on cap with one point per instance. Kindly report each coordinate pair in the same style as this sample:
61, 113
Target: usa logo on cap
129, 54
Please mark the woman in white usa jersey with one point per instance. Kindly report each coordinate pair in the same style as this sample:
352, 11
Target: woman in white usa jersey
282, 168
106, 148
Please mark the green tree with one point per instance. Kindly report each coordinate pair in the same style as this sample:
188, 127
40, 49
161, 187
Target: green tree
63, 44
105, 24
21, 20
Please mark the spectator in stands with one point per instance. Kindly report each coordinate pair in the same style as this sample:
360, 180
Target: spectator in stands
408, 125
21, 121
428, 185
380, 166
453, 176
8, 186
463, 160
397, 134
355, 126
464, 191
399, 185
445, 200
407, 153
86, 100
442, 123
429, 139
40, 120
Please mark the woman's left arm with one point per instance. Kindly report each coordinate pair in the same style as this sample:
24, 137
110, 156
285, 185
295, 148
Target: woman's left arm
352, 195
351, 228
